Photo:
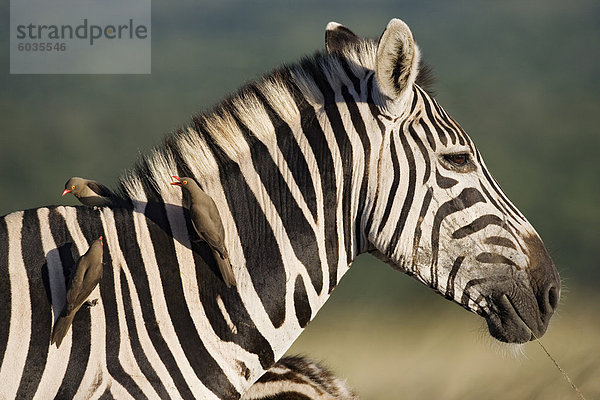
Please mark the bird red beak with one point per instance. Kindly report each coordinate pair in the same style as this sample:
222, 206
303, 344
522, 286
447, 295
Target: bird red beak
100, 239
66, 191
176, 183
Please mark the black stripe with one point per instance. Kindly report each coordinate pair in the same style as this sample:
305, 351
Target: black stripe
395, 182
467, 198
444, 182
452, 124
453, 272
428, 133
132, 254
361, 130
499, 206
203, 364
375, 113
462, 133
34, 258
248, 337
500, 241
5, 293
301, 303
136, 346
417, 235
441, 132
410, 193
457, 129
345, 150
172, 150
316, 139
516, 214
293, 156
81, 339
493, 258
415, 100
207, 278
423, 151
477, 225
353, 78
107, 395
92, 229
444, 121
301, 235
255, 232
289, 396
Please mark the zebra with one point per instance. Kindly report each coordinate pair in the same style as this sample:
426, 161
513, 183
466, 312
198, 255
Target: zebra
343, 153
298, 378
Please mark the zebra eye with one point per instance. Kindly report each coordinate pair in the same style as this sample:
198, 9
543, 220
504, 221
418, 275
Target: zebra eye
457, 159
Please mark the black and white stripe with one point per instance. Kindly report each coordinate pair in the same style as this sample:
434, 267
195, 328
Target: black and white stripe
310, 166
297, 378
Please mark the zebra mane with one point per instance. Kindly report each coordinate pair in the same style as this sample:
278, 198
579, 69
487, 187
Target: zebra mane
244, 113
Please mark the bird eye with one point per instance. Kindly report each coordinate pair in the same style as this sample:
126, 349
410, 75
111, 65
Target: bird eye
73, 187
185, 182
457, 159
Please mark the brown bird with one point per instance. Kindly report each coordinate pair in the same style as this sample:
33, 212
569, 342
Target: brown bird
84, 278
208, 225
89, 192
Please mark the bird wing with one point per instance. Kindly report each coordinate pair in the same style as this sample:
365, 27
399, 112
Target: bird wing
85, 280
76, 283
209, 229
100, 189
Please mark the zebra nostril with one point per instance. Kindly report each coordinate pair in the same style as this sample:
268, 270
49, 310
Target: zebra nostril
548, 301
552, 297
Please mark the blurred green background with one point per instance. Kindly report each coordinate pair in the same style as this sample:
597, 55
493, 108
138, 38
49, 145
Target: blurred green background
522, 78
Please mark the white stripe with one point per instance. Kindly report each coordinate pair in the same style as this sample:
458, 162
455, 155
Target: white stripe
293, 121
112, 242
57, 359
339, 178
358, 170
226, 354
19, 334
259, 113
245, 288
96, 376
126, 357
226, 316
160, 306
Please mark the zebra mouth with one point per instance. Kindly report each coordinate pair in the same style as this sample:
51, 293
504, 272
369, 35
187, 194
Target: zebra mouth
506, 322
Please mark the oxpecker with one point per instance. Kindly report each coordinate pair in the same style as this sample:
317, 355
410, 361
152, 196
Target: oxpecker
89, 192
84, 278
208, 225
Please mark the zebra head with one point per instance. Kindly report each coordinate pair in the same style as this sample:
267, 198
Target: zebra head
437, 213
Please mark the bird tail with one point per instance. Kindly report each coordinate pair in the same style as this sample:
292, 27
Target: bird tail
61, 327
226, 269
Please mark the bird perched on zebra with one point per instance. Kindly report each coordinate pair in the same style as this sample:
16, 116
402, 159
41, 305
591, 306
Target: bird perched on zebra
207, 224
299, 378
89, 192
84, 279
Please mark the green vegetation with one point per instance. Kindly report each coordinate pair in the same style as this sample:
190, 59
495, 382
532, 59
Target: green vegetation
520, 77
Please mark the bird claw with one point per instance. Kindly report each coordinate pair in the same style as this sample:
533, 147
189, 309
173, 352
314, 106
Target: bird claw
91, 303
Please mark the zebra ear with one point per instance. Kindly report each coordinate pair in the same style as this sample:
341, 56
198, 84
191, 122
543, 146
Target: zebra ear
338, 37
397, 62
